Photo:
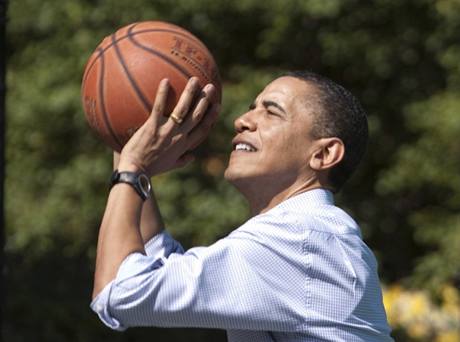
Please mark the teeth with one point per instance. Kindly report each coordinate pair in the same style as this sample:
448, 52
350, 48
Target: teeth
244, 147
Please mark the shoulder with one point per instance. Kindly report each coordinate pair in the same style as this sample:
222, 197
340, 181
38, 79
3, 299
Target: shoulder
298, 222
274, 230
316, 229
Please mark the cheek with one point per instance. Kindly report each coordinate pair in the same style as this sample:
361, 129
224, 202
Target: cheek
274, 136
285, 146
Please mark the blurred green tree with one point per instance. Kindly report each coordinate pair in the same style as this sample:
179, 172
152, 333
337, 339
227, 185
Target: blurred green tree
399, 57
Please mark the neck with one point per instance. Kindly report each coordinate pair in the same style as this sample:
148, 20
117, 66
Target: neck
263, 198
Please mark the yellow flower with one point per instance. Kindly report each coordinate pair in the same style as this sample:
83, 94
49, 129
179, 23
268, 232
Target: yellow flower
413, 307
418, 330
450, 294
420, 305
390, 298
449, 336
421, 318
451, 302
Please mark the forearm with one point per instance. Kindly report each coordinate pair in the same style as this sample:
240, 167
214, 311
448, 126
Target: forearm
151, 221
119, 234
159, 145
205, 287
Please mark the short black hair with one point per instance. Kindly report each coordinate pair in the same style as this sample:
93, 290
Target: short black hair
340, 115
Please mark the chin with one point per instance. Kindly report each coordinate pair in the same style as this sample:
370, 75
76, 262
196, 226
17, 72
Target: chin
241, 184
229, 174
242, 180
234, 177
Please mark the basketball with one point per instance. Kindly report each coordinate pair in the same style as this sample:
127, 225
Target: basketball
122, 75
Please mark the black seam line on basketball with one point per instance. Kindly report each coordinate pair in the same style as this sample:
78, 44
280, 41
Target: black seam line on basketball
162, 56
101, 96
143, 31
89, 66
159, 54
190, 36
140, 95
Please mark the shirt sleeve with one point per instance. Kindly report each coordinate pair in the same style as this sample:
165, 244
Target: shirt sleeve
236, 283
162, 245
158, 248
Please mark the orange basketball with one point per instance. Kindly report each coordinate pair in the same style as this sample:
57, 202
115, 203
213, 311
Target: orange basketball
122, 76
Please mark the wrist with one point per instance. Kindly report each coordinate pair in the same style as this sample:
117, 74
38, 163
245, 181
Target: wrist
116, 160
128, 167
137, 180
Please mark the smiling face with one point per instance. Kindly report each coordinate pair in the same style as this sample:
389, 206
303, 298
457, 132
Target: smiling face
273, 144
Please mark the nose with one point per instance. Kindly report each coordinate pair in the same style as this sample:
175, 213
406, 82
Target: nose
245, 122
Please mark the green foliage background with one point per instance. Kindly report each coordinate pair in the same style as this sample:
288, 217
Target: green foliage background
400, 57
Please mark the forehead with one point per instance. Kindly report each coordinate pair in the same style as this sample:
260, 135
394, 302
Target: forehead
290, 91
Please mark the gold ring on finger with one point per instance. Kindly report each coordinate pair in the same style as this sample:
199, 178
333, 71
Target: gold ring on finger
177, 119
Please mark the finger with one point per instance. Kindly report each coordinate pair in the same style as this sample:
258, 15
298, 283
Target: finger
201, 131
201, 108
186, 99
185, 159
161, 98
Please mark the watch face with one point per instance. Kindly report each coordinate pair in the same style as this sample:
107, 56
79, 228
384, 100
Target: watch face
144, 183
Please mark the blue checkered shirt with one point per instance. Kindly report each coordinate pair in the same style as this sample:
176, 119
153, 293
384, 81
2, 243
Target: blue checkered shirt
298, 272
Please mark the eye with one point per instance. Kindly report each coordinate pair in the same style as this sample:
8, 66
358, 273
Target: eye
273, 113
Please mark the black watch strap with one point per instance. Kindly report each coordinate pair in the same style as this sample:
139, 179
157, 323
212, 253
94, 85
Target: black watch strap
139, 181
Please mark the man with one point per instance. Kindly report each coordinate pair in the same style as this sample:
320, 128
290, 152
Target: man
298, 270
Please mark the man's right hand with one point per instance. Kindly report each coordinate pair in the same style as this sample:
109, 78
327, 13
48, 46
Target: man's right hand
161, 144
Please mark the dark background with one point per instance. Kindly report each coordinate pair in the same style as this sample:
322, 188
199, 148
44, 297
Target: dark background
401, 58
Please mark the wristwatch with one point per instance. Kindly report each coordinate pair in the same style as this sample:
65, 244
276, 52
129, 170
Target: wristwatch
139, 181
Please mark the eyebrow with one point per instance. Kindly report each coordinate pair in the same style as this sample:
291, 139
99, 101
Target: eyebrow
268, 103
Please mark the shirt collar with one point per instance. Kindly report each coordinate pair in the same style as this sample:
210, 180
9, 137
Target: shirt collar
310, 198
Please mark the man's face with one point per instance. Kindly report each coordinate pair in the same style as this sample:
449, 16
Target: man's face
272, 146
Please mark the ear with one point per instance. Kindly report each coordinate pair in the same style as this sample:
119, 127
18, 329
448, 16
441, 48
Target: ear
327, 153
